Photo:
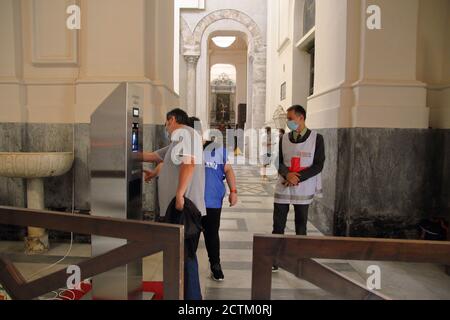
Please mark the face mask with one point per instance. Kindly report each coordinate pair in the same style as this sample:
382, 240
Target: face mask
166, 130
167, 134
292, 125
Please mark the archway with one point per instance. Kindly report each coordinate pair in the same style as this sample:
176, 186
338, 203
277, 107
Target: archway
195, 51
228, 78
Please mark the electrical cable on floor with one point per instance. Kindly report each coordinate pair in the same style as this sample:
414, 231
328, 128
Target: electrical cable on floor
54, 264
54, 298
73, 212
66, 298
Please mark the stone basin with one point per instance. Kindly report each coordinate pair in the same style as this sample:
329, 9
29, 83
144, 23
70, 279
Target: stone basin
34, 167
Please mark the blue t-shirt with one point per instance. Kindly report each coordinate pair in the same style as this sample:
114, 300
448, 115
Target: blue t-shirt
215, 161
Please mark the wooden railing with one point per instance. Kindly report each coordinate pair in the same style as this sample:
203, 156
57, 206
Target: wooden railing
144, 239
296, 255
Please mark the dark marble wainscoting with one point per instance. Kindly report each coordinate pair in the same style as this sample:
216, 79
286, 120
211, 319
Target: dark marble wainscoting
81, 174
53, 138
322, 211
382, 182
71, 191
441, 174
12, 191
36, 137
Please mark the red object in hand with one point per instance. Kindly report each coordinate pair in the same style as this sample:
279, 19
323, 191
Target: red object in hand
296, 165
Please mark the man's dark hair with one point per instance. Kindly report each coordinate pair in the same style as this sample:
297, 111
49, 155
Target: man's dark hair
180, 116
192, 121
299, 110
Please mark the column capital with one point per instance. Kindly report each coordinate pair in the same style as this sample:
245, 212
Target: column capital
191, 59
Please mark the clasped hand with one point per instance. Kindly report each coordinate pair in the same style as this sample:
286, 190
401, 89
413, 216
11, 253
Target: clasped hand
292, 179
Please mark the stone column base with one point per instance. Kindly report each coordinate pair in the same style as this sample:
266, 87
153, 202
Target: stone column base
36, 245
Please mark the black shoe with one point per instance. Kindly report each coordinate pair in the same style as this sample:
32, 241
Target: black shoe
274, 269
216, 273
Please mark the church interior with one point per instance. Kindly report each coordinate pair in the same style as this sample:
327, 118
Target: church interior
85, 90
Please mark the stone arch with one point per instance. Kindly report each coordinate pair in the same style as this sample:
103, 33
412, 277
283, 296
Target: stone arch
192, 43
192, 47
186, 36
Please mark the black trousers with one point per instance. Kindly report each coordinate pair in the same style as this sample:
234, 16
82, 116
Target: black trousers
280, 214
211, 226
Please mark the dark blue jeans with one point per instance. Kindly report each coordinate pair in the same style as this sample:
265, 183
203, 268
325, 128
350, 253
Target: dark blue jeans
192, 290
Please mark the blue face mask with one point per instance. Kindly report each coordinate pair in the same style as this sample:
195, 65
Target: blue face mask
292, 125
167, 134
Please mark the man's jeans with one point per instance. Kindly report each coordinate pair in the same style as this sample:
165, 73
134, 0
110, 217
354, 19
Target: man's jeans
192, 290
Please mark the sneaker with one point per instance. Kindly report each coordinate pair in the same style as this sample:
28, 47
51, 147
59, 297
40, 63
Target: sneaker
216, 273
274, 269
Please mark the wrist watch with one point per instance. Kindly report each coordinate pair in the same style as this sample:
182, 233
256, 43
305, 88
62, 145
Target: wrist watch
233, 191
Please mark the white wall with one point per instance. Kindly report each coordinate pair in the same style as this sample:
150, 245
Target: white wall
11, 95
331, 35
7, 39
433, 59
387, 93
122, 22
388, 78
280, 50
54, 75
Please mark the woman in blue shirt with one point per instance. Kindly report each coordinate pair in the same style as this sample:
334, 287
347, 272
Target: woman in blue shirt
216, 171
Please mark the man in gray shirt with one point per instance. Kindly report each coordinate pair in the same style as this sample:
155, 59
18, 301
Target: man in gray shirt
183, 172
182, 175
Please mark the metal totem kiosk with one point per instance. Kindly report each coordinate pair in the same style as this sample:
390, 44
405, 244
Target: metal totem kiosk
116, 183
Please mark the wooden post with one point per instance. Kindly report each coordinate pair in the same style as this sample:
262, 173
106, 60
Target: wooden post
261, 271
145, 239
173, 273
296, 255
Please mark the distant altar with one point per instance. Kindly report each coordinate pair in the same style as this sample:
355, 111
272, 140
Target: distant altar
223, 97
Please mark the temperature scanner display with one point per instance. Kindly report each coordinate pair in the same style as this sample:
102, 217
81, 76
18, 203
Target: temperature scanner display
135, 138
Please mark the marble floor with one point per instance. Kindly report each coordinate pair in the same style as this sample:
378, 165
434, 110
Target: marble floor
253, 215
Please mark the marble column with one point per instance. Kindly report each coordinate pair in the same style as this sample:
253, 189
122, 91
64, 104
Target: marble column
191, 61
37, 240
249, 120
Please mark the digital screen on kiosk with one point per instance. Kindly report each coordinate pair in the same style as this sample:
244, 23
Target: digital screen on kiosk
135, 138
